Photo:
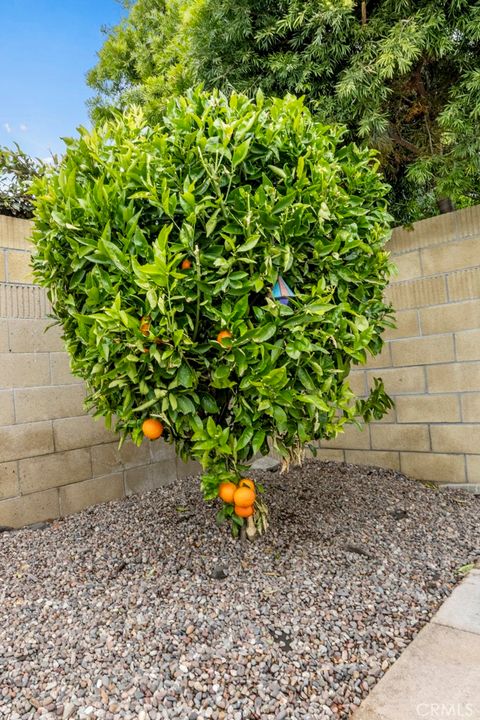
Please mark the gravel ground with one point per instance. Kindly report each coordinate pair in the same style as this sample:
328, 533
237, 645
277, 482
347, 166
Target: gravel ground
118, 612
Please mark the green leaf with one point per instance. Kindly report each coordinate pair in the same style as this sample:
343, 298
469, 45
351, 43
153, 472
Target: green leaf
110, 250
185, 376
145, 405
258, 440
280, 417
240, 152
211, 427
264, 333
185, 405
318, 308
212, 223
250, 244
315, 400
278, 171
244, 438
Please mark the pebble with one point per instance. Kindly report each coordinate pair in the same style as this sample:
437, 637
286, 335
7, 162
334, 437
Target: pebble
298, 628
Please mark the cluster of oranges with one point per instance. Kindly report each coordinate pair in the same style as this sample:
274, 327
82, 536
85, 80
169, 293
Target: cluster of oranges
242, 496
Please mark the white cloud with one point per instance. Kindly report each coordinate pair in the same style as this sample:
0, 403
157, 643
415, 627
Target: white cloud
7, 128
23, 127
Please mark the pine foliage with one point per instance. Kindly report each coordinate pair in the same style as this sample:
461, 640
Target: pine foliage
403, 75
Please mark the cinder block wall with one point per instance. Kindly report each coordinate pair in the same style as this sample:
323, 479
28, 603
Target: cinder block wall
54, 459
431, 362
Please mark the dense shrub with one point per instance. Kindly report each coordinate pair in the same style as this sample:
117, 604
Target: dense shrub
247, 192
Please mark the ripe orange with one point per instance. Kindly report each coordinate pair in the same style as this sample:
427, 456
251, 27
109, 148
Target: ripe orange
222, 335
152, 428
244, 497
145, 325
186, 264
247, 482
244, 512
226, 491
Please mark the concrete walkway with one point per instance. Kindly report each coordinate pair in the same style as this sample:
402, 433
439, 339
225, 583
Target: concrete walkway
438, 675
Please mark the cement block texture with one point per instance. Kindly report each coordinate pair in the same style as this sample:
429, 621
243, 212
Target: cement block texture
7, 412
24, 370
28, 509
81, 431
27, 440
33, 336
148, 477
18, 268
61, 468
48, 403
8, 480
81, 495
60, 369
108, 458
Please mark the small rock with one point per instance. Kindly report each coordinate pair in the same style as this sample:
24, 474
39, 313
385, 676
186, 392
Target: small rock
37, 526
266, 463
399, 514
68, 710
219, 572
357, 549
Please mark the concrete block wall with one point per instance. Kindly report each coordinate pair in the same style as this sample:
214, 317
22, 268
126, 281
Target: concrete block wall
431, 362
55, 459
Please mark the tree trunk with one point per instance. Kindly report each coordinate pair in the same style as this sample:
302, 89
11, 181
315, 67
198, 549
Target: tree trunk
445, 205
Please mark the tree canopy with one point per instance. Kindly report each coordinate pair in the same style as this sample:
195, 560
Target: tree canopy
402, 75
218, 273
144, 58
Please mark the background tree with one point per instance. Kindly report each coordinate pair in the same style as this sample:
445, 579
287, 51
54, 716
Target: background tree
403, 75
144, 58
17, 171
168, 252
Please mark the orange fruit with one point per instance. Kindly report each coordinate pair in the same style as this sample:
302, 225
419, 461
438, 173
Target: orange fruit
244, 497
222, 335
244, 512
226, 491
247, 482
186, 264
145, 325
152, 428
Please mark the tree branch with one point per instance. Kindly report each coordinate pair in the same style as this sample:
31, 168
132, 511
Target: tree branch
364, 12
396, 138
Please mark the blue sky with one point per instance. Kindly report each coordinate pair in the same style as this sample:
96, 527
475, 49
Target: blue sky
46, 48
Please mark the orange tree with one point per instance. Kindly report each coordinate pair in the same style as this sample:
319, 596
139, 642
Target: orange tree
161, 247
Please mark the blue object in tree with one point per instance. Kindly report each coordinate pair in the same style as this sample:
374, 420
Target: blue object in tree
282, 292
